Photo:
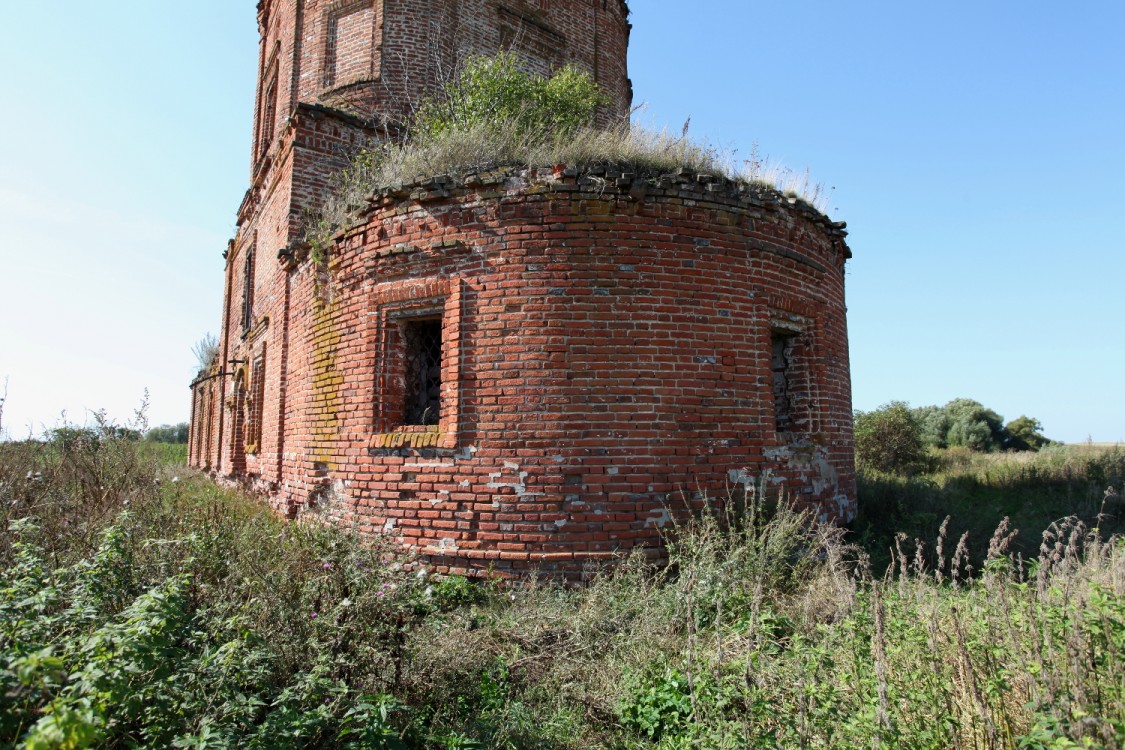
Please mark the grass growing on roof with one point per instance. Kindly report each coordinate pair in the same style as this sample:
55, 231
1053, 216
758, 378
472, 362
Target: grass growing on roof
495, 115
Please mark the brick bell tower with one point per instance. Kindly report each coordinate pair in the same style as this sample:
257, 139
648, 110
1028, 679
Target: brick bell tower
333, 74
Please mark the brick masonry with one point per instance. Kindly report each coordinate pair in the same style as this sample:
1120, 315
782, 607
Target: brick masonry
612, 349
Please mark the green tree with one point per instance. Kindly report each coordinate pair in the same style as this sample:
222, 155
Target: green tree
973, 426
494, 90
933, 421
888, 439
168, 433
1024, 434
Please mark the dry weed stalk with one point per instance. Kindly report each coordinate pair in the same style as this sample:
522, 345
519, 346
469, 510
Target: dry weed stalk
882, 667
943, 530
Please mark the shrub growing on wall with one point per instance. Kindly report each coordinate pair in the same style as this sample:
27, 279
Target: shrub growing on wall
494, 90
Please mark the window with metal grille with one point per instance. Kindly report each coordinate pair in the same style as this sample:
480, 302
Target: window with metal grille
422, 351
781, 356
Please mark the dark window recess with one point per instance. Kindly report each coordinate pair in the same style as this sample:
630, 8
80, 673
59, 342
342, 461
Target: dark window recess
248, 292
781, 355
422, 339
257, 406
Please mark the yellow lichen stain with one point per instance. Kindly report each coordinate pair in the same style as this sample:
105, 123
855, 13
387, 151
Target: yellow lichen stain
326, 382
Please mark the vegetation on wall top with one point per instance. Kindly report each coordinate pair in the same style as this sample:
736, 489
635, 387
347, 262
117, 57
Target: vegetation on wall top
494, 114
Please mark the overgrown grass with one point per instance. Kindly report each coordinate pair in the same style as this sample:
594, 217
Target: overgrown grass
977, 490
185, 615
484, 146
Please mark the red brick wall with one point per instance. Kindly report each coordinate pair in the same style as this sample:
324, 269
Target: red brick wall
606, 359
606, 343
380, 56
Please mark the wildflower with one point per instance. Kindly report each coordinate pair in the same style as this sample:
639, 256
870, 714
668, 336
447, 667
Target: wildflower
313, 616
327, 566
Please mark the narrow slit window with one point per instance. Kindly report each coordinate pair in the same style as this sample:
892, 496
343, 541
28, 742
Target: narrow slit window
422, 376
269, 114
248, 292
781, 362
257, 406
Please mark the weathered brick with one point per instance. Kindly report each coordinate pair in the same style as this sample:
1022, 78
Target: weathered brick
608, 354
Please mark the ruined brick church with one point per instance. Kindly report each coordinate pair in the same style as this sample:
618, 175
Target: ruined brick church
525, 368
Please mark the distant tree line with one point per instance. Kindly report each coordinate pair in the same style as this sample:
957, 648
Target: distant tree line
897, 438
70, 436
168, 433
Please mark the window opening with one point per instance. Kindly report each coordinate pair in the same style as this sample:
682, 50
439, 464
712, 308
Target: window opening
257, 404
422, 341
781, 360
350, 49
269, 113
208, 440
248, 292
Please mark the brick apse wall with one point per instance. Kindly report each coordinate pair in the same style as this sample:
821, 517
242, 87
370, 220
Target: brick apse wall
527, 368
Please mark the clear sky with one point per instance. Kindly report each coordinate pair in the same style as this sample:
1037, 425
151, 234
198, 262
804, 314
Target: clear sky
975, 148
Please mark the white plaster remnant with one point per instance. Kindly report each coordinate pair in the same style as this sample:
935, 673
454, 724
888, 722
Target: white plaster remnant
810, 462
659, 518
741, 477
519, 485
389, 525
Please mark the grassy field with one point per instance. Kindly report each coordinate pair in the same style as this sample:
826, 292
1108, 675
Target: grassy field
142, 606
977, 491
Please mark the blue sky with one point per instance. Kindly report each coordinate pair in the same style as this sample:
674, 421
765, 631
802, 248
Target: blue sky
976, 150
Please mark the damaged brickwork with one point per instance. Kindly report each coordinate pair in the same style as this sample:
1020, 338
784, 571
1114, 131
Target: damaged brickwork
521, 368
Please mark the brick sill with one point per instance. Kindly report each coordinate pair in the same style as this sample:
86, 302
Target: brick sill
412, 436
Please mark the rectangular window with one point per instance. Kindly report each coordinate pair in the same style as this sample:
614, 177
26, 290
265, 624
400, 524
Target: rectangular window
415, 327
351, 53
257, 403
782, 344
269, 112
540, 48
209, 439
248, 291
421, 340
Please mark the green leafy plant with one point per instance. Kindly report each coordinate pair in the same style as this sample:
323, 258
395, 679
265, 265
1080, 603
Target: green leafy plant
496, 90
888, 439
